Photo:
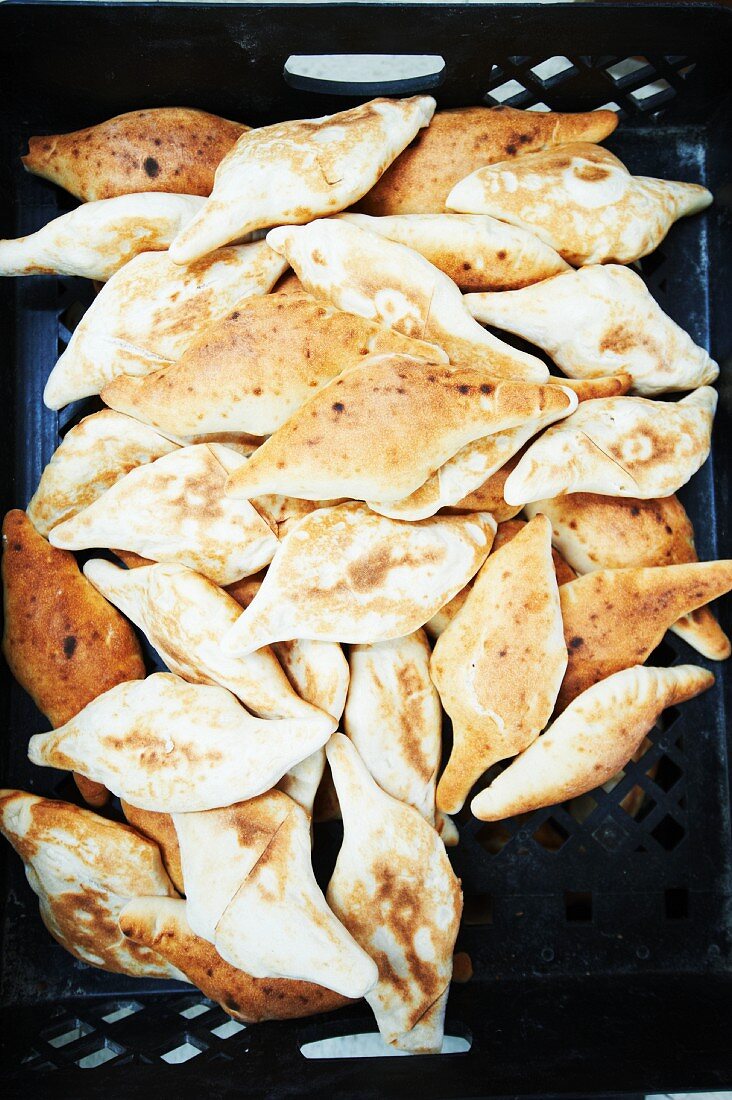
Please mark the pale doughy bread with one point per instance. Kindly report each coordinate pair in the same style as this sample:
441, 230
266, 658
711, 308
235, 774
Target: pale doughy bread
151, 310
386, 282
394, 719
163, 744
251, 892
618, 446
84, 869
292, 172
598, 321
98, 238
175, 510
183, 616
92, 457
591, 741
477, 252
348, 574
582, 201
160, 924
395, 891
499, 664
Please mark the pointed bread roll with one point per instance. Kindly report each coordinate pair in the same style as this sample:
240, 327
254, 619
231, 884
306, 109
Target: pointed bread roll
175, 509
318, 671
161, 925
489, 497
599, 320
395, 286
183, 616
253, 369
499, 664
615, 618
618, 446
506, 530
394, 719
84, 869
475, 463
98, 238
92, 457
166, 745
151, 310
251, 891
160, 829
582, 201
347, 574
463, 139
395, 891
174, 149
295, 171
63, 642
597, 532
591, 741
587, 389
381, 429
477, 252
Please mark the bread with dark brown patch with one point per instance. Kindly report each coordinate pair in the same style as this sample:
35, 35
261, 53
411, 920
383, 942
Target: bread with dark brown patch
174, 149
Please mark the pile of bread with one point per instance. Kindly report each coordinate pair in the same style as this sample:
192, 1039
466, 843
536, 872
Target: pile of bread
342, 503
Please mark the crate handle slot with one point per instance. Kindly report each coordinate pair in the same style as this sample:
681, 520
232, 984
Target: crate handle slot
364, 74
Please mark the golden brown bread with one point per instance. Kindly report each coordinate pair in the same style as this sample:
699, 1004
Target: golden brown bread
488, 497
459, 141
164, 149
614, 618
159, 828
63, 642
499, 664
511, 527
587, 389
598, 532
160, 923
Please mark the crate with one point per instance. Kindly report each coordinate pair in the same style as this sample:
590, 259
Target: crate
600, 941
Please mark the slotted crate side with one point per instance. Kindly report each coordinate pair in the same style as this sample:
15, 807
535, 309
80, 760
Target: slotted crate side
605, 892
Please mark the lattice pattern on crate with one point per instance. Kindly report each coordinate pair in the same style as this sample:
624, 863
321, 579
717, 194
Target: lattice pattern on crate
172, 1030
629, 85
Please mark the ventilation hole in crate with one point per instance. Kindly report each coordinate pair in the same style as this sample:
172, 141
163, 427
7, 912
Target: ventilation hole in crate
197, 1009
611, 105
370, 1045
609, 835
650, 96
664, 654
101, 1054
227, 1029
553, 69
478, 909
578, 905
183, 1052
637, 803
551, 835
121, 1012
682, 802
669, 717
581, 808
69, 318
676, 903
493, 837
667, 774
669, 833
630, 69
539, 107
67, 1032
509, 92
651, 263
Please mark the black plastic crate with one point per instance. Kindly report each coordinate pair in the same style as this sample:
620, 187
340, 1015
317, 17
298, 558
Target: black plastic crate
601, 947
